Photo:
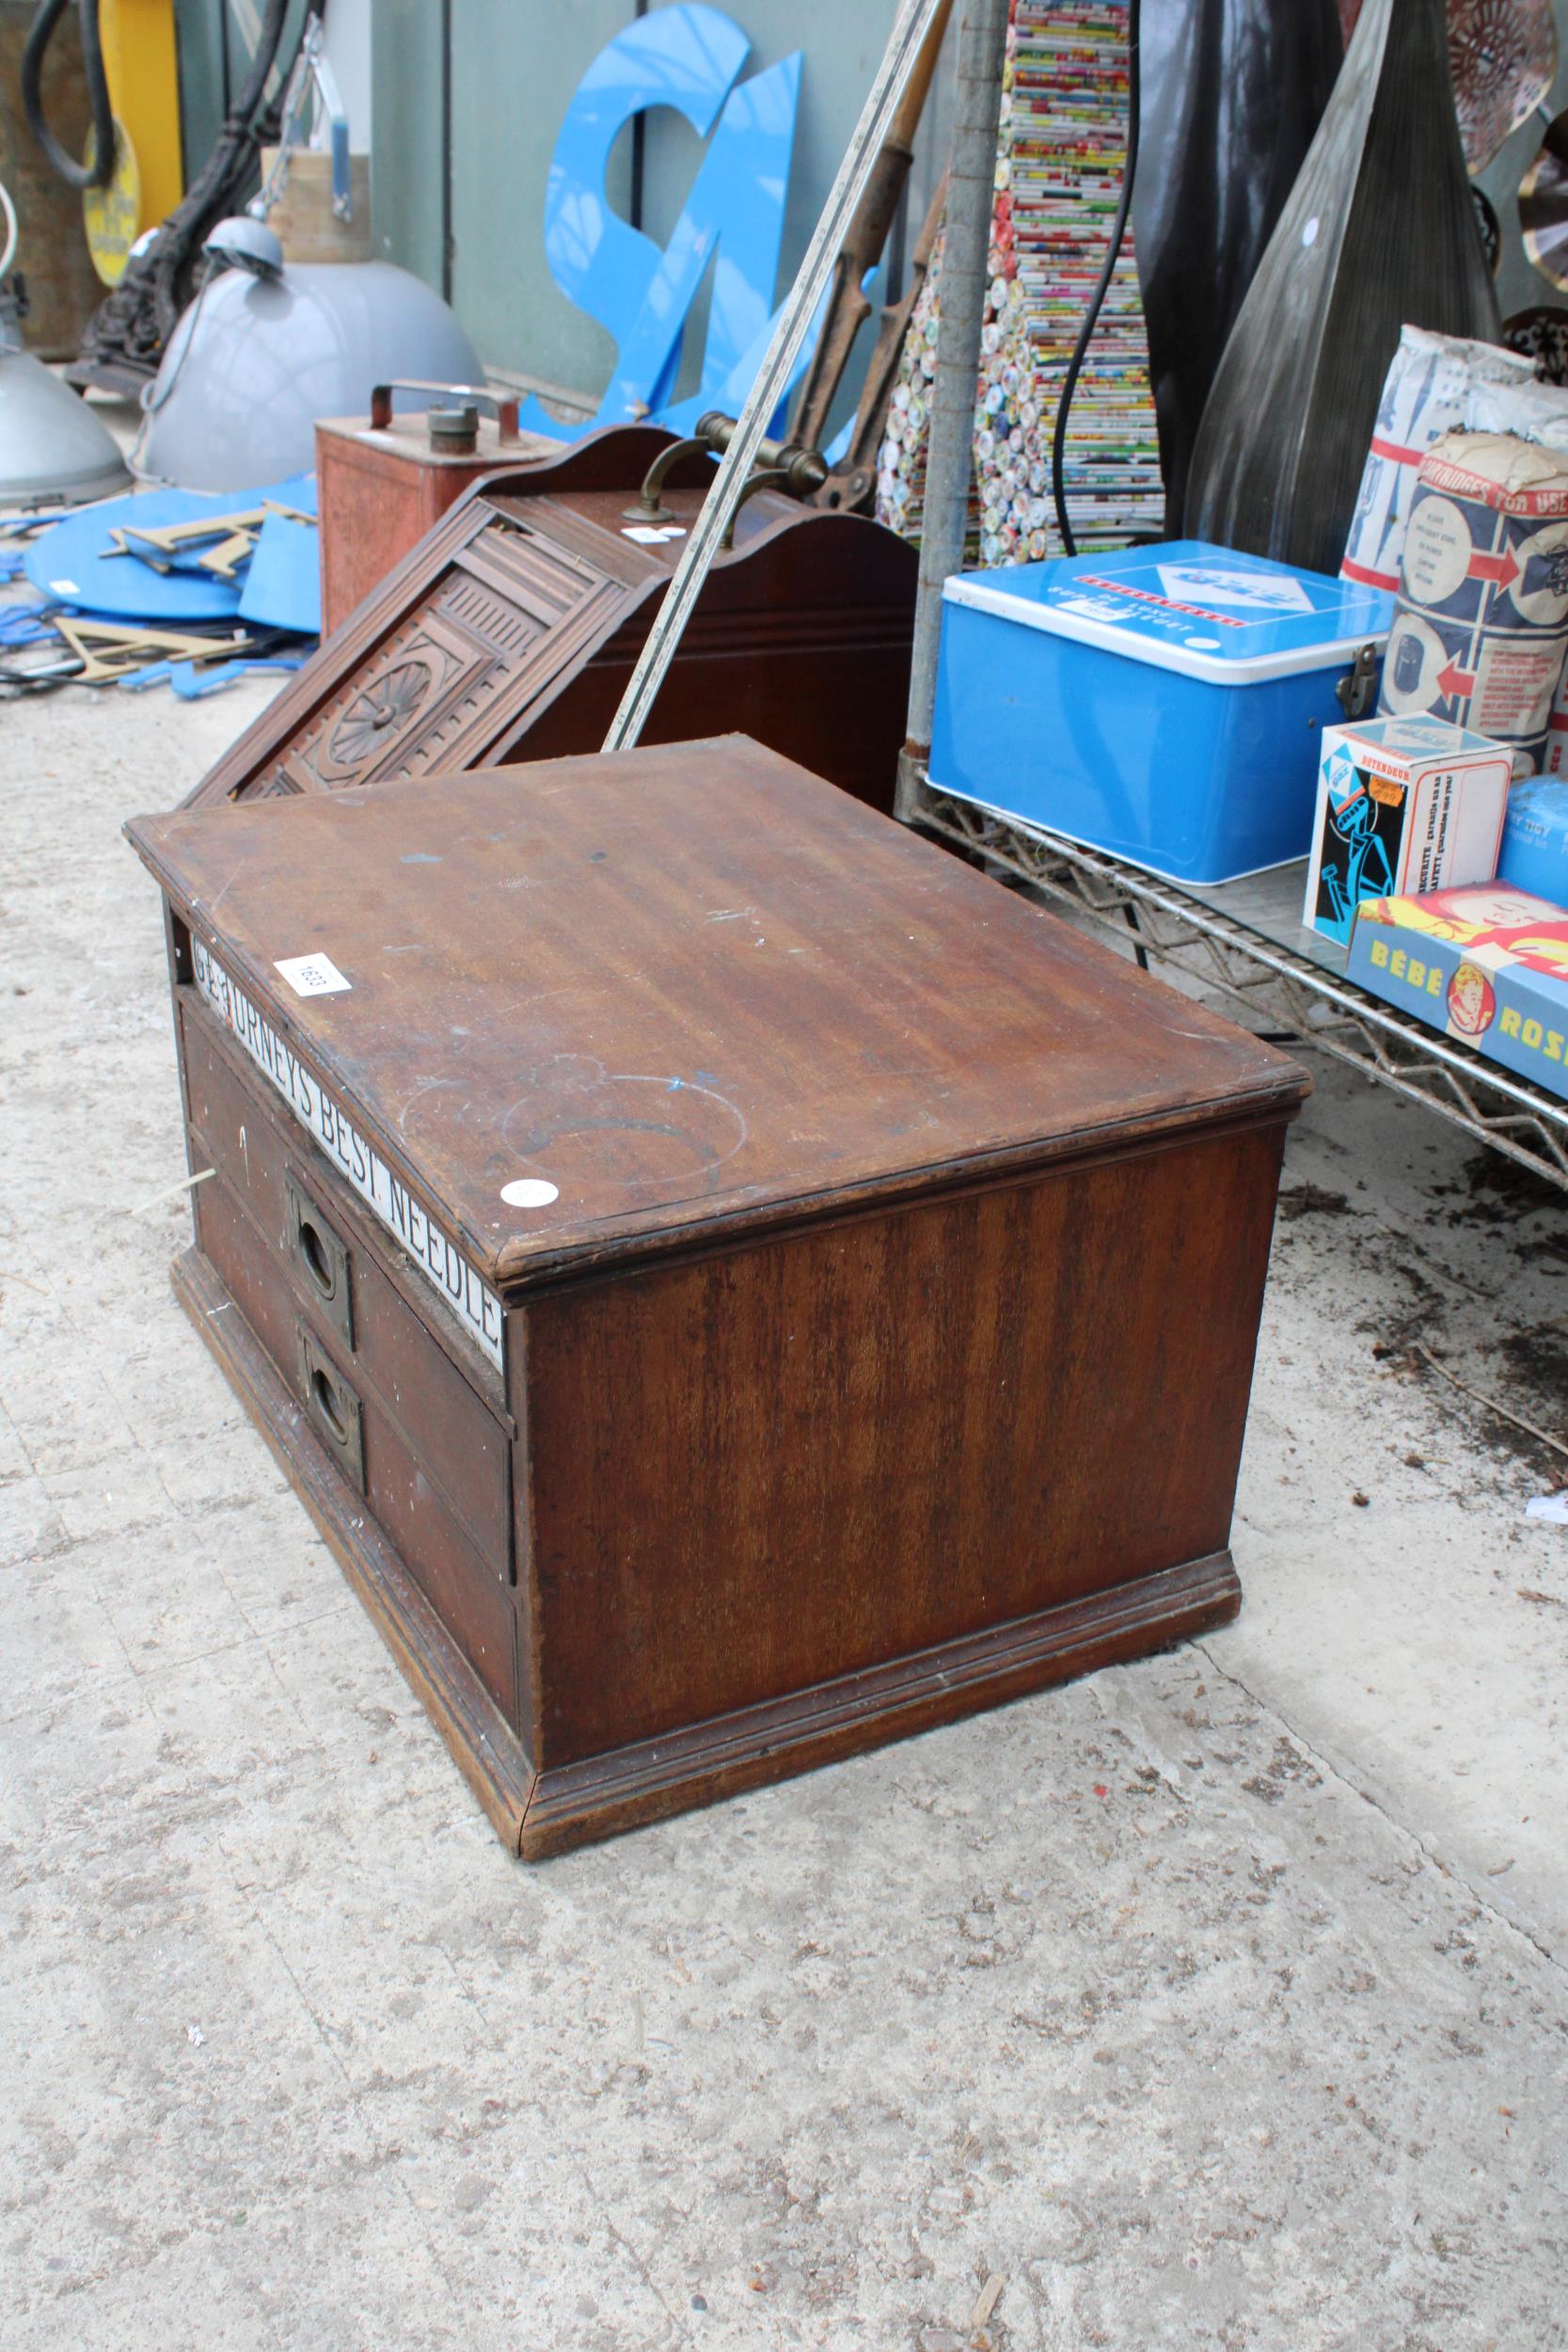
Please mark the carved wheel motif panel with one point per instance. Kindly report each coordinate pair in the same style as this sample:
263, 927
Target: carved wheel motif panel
390, 701
364, 732
439, 686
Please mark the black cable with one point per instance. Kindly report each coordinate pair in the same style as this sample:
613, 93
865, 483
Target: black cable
38, 681
1091, 316
129, 330
99, 173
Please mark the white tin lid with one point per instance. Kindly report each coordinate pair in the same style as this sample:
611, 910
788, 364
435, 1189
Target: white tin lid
1201, 612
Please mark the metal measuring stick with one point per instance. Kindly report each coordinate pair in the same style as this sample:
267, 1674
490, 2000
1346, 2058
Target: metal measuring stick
950, 405
902, 54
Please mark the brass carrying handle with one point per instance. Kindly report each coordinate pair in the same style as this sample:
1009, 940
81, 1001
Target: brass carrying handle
503, 407
785, 466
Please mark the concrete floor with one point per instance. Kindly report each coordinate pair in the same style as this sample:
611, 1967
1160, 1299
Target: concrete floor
1216, 2002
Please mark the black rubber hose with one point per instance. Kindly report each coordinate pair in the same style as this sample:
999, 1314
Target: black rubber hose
1091, 316
216, 185
99, 173
133, 325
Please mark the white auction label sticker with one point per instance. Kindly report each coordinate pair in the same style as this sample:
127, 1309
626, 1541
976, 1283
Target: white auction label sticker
530, 1192
442, 1263
311, 975
652, 534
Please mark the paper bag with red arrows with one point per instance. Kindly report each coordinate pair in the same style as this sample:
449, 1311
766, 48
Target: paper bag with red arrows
1480, 629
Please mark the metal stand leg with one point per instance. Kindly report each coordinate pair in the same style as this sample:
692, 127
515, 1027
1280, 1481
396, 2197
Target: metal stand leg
965, 255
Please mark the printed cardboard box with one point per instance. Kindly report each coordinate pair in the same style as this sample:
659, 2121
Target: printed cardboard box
1488, 965
1404, 805
1480, 629
1431, 389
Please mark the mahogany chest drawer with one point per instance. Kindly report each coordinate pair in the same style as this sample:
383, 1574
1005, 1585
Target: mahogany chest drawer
333, 1271
368, 1449
732, 1284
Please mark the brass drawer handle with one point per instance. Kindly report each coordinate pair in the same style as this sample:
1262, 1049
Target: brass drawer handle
336, 1413
320, 1259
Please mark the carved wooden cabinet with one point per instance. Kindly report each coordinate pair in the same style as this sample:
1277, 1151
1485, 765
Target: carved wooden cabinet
732, 1284
510, 632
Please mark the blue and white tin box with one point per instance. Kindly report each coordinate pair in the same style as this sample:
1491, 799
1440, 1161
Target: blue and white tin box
1166, 704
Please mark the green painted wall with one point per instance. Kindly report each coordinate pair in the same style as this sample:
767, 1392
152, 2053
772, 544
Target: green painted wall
406, 138
214, 40
515, 64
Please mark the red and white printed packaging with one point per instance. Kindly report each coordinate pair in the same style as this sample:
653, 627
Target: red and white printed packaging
1432, 384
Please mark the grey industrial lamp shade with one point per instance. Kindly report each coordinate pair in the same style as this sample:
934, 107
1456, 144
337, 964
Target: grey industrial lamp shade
268, 348
53, 449
241, 243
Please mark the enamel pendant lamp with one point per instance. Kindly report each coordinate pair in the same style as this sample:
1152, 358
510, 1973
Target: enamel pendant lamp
268, 347
53, 449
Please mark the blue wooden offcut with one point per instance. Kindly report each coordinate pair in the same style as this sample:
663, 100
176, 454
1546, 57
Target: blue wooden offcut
282, 581
686, 57
74, 562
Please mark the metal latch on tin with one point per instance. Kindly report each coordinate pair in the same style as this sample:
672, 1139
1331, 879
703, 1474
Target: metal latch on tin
1358, 689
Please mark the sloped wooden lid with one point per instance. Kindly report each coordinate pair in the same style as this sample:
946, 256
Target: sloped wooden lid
689, 985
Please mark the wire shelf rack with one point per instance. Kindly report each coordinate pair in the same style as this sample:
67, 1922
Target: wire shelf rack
1245, 939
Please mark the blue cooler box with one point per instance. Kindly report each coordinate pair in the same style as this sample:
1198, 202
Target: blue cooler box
1166, 704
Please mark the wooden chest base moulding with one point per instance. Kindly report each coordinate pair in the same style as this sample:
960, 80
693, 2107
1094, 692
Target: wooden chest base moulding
732, 1284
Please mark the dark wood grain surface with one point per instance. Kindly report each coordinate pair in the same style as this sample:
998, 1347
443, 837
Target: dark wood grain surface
484, 1741
540, 1813
781, 1464
461, 1432
685, 986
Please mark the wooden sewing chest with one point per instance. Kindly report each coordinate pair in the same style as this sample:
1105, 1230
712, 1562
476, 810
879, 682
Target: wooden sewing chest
508, 633
732, 1284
